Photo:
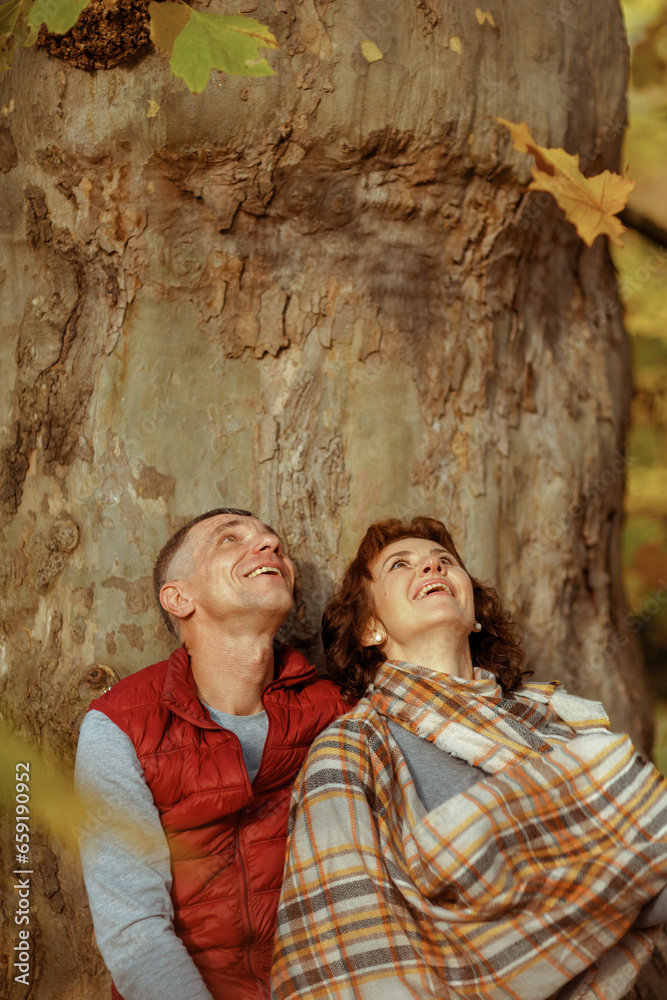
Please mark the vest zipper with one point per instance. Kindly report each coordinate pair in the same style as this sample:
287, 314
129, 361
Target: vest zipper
245, 907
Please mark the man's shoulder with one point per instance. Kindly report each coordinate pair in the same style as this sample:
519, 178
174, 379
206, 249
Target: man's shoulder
323, 688
302, 685
143, 686
318, 698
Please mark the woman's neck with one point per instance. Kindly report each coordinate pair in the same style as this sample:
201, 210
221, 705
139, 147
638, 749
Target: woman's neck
442, 653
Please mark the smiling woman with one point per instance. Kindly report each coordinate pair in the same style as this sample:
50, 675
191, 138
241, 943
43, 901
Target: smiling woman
461, 832
394, 562
427, 597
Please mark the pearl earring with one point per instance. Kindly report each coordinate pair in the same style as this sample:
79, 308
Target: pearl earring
477, 627
378, 637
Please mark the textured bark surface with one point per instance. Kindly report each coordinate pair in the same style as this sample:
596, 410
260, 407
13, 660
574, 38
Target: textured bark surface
323, 296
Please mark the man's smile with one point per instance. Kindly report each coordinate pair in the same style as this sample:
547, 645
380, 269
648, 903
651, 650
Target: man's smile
265, 569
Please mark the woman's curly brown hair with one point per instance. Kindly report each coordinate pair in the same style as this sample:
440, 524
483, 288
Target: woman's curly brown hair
352, 665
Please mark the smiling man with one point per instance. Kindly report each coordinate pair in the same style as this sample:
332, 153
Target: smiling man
187, 767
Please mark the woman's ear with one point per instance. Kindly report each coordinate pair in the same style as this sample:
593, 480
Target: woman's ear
373, 634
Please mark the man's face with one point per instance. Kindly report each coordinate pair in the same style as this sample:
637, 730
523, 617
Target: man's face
235, 566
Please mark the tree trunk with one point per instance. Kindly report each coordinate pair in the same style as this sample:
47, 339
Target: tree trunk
324, 296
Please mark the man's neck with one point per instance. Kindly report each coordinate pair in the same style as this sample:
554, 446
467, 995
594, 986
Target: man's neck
230, 672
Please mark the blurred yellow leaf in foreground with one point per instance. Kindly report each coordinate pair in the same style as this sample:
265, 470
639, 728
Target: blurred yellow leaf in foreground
48, 800
38, 799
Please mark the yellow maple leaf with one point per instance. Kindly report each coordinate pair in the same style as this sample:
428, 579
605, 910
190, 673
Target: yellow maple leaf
589, 203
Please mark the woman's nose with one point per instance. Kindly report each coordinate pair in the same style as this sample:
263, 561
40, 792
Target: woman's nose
430, 563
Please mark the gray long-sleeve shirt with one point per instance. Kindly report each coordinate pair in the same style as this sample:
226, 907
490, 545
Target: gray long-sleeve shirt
125, 860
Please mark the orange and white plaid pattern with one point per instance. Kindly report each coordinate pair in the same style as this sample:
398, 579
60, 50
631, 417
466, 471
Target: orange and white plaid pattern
523, 887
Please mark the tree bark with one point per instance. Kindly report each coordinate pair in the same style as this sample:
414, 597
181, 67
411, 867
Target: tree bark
324, 296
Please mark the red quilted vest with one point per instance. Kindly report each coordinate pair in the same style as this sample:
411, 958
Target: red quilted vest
226, 836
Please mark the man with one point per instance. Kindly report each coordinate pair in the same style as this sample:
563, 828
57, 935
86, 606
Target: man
191, 762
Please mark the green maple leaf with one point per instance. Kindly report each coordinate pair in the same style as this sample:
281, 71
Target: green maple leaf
58, 15
167, 21
228, 42
15, 31
9, 13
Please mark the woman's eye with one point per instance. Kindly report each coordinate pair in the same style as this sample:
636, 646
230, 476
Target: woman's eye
229, 538
398, 562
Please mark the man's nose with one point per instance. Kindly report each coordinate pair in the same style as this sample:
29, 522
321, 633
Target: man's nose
267, 542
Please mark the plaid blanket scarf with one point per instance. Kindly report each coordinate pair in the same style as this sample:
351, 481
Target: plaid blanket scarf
523, 887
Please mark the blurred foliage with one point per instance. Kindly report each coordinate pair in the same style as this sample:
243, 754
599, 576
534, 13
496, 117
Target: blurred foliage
646, 139
642, 267
660, 746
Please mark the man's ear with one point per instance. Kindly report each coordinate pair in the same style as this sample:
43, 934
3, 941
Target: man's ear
175, 601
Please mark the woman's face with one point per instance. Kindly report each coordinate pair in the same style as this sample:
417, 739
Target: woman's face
419, 589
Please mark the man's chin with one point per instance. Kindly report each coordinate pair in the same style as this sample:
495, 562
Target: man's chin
279, 605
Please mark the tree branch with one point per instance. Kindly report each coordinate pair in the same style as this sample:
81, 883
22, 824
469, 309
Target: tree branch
642, 224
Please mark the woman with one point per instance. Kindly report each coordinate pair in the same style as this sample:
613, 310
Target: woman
461, 833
